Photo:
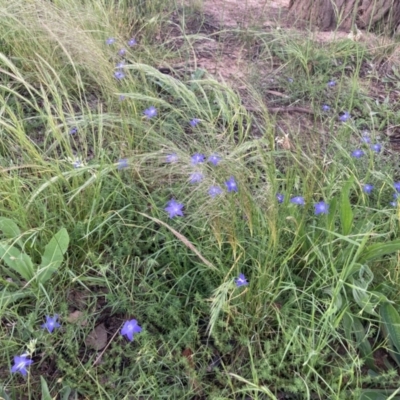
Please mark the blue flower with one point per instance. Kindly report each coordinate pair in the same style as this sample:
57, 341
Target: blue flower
122, 52
214, 159
197, 158
196, 177
122, 163
171, 158
393, 203
110, 40
357, 153
367, 188
290, 80
174, 209
193, 122
132, 42
397, 186
73, 130
325, 107
299, 200
51, 323
376, 147
344, 117
130, 328
231, 185
280, 197
214, 191
121, 97
77, 163
331, 83
366, 139
321, 208
150, 112
119, 75
120, 65
241, 281
20, 364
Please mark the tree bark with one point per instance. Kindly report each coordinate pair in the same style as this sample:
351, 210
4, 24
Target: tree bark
343, 14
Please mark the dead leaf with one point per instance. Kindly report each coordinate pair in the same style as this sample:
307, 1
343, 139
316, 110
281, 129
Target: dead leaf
97, 338
77, 317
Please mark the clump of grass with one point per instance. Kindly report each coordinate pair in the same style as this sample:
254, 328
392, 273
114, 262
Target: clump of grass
236, 292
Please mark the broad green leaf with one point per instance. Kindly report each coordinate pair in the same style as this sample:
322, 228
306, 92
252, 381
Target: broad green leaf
53, 255
7, 298
346, 213
363, 343
10, 229
391, 320
17, 261
372, 395
379, 250
45, 390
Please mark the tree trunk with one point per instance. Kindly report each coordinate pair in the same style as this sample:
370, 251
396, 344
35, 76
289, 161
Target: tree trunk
342, 14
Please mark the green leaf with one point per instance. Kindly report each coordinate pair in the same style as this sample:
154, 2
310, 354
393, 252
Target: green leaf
391, 320
45, 390
7, 298
10, 229
372, 395
53, 255
346, 213
378, 250
17, 261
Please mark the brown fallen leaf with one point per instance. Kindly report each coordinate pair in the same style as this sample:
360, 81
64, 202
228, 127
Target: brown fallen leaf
77, 317
97, 339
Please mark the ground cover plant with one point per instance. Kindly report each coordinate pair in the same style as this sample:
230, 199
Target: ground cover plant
165, 234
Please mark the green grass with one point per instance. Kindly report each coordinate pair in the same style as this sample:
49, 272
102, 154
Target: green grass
316, 307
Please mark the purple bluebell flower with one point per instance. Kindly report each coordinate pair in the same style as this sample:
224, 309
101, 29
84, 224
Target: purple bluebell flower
121, 97
196, 177
299, 200
172, 158
325, 107
231, 185
130, 328
367, 188
280, 197
122, 52
150, 112
241, 281
214, 191
20, 364
119, 75
321, 208
122, 163
397, 186
376, 147
393, 203
132, 42
51, 323
344, 117
120, 64
357, 153
73, 130
77, 164
198, 158
365, 139
290, 80
110, 40
193, 122
331, 83
174, 209
214, 159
